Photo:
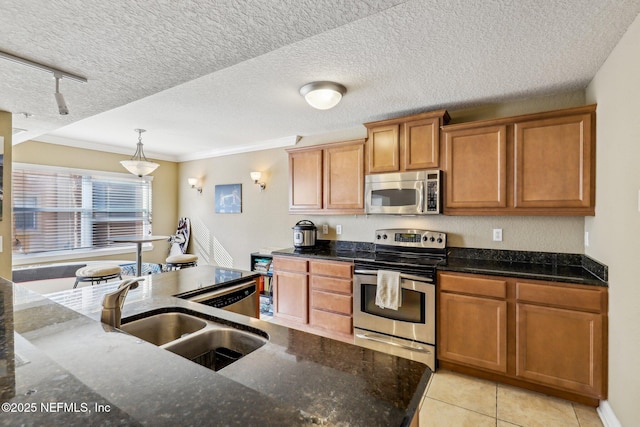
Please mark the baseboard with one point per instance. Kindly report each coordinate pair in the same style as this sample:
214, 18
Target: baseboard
605, 411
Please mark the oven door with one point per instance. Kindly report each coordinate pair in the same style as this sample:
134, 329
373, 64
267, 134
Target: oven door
389, 196
414, 320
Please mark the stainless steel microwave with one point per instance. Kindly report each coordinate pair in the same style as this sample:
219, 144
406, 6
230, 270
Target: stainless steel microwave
403, 193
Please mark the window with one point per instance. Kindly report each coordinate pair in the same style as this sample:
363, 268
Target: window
59, 210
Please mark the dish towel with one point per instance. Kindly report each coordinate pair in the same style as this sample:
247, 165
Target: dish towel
388, 294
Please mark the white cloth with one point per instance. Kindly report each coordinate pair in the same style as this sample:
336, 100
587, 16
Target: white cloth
388, 293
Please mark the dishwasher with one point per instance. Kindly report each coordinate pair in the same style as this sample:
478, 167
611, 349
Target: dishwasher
240, 298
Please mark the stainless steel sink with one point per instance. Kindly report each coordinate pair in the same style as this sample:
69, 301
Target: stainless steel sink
162, 328
206, 342
216, 348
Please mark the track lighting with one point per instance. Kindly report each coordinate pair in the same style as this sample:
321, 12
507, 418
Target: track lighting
62, 106
58, 74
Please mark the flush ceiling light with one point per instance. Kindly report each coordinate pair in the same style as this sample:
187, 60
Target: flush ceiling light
57, 74
323, 95
139, 165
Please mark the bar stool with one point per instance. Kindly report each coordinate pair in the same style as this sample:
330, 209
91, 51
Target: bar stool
176, 262
97, 273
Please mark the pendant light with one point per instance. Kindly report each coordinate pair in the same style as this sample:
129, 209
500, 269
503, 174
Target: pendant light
139, 165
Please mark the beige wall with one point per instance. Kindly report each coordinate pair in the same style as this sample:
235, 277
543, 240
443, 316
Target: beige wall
165, 216
5, 223
265, 221
615, 230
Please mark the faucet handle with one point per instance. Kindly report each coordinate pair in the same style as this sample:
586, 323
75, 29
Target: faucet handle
116, 298
113, 302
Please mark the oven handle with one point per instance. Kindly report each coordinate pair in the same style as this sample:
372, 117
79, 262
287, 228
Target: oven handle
383, 341
402, 275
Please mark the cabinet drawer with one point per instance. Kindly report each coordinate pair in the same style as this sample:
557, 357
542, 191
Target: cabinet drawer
331, 321
290, 264
585, 299
494, 288
332, 302
332, 284
335, 269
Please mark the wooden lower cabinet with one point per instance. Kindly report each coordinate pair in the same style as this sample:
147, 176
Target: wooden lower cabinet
315, 292
546, 336
474, 331
290, 289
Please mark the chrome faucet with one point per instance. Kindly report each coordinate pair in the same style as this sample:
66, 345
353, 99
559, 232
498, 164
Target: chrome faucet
113, 302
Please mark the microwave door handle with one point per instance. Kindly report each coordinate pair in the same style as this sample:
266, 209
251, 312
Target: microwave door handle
420, 197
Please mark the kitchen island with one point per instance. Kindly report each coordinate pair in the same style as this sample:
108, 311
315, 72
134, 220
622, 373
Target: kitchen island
73, 370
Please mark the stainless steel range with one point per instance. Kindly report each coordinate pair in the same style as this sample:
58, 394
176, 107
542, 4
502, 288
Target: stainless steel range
409, 331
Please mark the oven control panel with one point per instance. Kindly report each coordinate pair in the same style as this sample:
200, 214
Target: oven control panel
411, 238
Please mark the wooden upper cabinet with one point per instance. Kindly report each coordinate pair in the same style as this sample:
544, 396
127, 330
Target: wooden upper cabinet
344, 177
553, 162
537, 164
421, 148
476, 165
383, 149
405, 143
305, 180
327, 179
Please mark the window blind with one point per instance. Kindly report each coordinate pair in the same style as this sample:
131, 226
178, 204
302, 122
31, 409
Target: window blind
59, 209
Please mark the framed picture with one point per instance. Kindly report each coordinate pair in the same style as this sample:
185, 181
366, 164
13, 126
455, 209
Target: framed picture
228, 198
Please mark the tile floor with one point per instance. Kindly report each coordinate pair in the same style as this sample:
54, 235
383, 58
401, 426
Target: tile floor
455, 400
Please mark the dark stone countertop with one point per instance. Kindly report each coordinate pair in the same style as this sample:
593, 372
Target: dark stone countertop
76, 366
555, 267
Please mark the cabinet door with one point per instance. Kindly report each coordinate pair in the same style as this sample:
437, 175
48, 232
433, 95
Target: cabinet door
291, 296
383, 149
553, 163
305, 180
421, 146
560, 348
473, 331
344, 177
476, 168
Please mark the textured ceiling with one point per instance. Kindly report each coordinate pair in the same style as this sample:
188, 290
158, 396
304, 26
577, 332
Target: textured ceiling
206, 78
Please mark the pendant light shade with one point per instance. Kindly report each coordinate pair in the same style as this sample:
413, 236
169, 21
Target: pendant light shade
139, 165
323, 95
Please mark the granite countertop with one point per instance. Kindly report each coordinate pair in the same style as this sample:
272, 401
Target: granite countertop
73, 370
555, 267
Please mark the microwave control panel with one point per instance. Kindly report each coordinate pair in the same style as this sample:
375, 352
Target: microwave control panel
433, 192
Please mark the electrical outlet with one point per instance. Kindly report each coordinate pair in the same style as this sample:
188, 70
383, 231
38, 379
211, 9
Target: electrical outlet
338, 229
586, 238
497, 234
325, 229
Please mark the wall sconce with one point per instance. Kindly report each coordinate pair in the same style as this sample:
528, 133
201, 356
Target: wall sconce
193, 182
255, 176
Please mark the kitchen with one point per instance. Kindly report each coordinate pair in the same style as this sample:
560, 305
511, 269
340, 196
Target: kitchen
611, 231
